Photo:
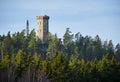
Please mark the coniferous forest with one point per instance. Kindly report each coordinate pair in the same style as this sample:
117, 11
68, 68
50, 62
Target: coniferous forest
74, 58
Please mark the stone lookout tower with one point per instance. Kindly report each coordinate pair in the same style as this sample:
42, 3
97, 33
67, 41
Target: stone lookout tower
42, 27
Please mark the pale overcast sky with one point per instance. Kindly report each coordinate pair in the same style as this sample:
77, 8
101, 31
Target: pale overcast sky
89, 17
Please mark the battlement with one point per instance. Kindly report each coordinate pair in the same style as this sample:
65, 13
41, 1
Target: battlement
42, 17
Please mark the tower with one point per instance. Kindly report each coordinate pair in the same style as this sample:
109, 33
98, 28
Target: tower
42, 27
27, 28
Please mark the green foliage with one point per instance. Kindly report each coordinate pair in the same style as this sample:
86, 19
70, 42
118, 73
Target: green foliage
4, 64
55, 46
73, 59
20, 64
32, 42
56, 68
68, 43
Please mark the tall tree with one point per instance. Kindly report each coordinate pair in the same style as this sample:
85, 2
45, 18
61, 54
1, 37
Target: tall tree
97, 48
117, 51
7, 45
20, 64
32, 42
55, 46
68, 43
110, 48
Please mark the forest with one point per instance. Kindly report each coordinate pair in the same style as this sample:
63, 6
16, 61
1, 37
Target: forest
73, 58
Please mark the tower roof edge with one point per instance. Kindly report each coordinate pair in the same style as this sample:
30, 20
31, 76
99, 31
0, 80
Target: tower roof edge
43, 17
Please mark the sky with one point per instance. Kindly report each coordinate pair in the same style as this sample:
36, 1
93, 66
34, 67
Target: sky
89, 17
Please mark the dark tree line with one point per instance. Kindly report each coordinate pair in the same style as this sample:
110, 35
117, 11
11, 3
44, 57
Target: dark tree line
75, 58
